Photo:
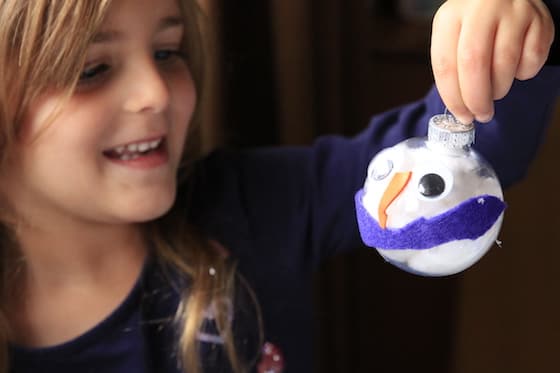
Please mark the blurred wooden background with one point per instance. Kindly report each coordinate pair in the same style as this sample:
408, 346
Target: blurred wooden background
290, 70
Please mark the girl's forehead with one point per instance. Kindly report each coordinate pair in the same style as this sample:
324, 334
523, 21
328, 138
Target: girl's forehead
123, 14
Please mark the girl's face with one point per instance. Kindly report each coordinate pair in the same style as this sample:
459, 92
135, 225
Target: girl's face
111, 152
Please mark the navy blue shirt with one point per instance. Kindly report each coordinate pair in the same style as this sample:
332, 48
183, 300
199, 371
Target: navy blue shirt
280, 211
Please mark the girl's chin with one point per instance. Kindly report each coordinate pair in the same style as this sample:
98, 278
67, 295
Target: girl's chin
144, 217
148, 210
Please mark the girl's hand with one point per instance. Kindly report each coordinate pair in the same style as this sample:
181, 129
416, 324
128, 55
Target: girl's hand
480, 46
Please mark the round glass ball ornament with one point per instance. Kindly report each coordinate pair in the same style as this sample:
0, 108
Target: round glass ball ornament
431, 206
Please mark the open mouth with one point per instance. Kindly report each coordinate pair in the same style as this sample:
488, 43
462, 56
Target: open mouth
135, 150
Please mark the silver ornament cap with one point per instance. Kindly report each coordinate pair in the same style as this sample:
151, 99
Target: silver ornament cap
446, 130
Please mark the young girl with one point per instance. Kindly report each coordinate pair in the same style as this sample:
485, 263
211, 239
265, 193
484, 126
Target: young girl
114, 241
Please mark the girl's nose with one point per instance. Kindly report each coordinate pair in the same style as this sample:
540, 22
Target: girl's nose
148, 90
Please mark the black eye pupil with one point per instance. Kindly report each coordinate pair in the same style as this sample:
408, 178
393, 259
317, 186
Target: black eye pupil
431, 185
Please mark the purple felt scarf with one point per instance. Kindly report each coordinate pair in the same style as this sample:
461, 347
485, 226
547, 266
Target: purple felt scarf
468, 220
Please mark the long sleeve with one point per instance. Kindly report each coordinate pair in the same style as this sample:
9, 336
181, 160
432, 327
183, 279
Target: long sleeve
297, 202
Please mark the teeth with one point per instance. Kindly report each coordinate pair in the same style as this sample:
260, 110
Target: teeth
143, 147
129, 157
131, 151
154, 144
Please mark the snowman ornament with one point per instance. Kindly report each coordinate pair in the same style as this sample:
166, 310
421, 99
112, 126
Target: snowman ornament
431, 206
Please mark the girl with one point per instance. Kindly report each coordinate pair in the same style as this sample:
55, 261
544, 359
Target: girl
112, 236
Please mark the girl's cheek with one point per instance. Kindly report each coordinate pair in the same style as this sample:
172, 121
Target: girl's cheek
42, 113
187, 89
186, 99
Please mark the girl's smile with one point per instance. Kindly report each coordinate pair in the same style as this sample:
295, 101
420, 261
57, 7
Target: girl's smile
146, 153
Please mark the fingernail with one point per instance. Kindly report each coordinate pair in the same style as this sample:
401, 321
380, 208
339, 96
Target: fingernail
465, 120
484, 118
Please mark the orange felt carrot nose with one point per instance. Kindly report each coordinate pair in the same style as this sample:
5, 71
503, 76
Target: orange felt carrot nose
395, 187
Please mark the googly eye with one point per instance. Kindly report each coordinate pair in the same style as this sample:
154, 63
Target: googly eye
431, 185
433, 182
381, 169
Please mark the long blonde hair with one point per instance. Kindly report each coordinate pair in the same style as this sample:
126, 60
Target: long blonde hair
43, 44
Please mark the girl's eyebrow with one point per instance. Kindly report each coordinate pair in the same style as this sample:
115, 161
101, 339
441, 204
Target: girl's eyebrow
112, 35
171, 21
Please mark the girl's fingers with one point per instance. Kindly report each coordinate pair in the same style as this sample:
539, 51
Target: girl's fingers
445, 35
479, 47
510, 36
535, 50
474, 61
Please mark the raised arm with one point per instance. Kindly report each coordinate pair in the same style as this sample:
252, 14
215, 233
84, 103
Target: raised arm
296, 204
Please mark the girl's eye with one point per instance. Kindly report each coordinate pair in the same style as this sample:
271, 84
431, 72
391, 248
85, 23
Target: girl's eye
164, 55
89, 74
